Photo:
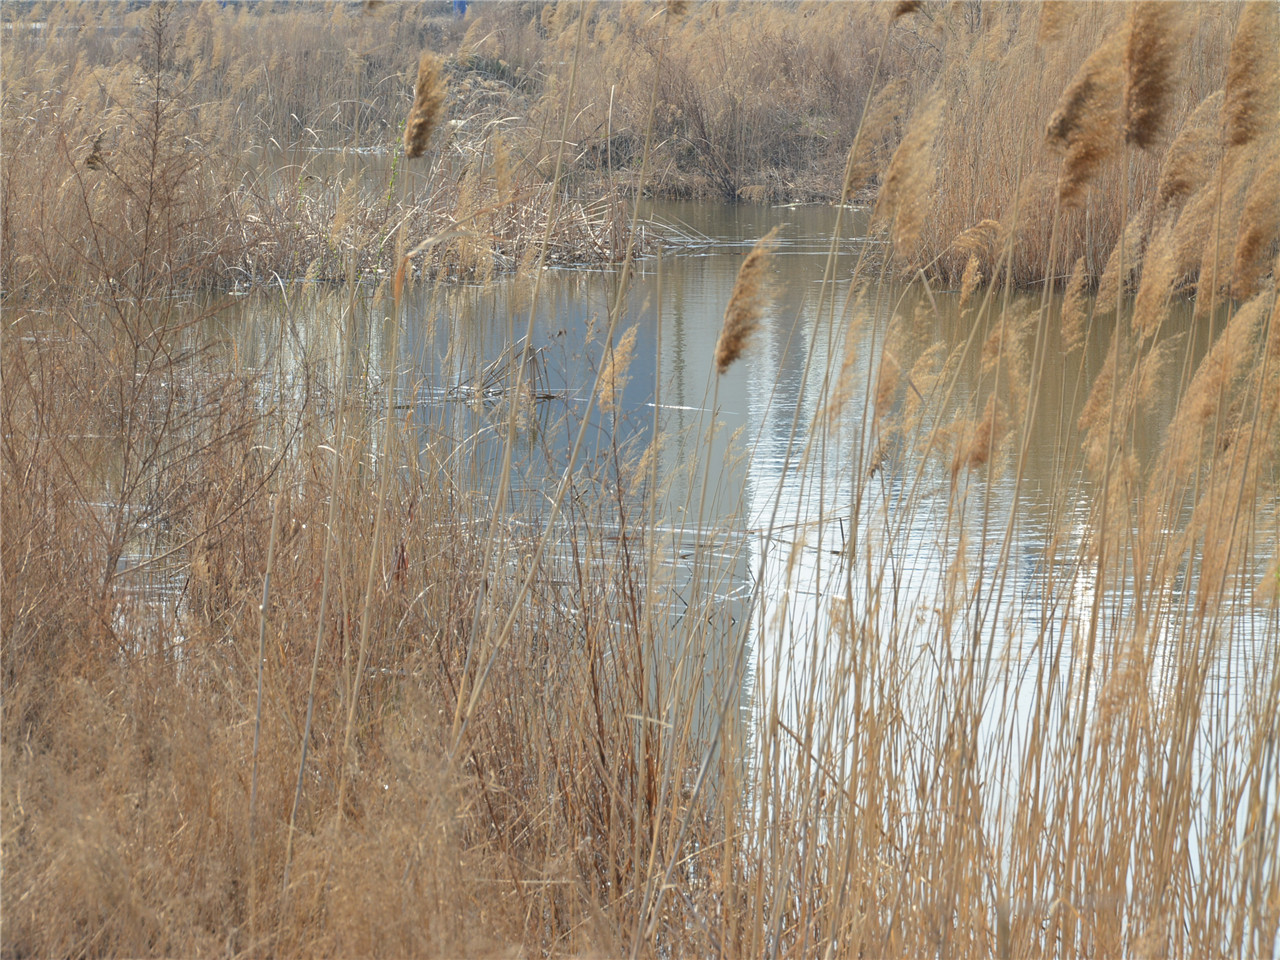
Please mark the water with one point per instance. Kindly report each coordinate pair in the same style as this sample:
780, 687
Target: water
782, 510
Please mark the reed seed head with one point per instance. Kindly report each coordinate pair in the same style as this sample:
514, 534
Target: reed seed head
1148, 66
1084, 126
886, 382
890, 101
613, 378
1055, 20
1253, 74
969, 282
977, 440
746, 303
1071, 324
1194, 152
907, 192
981, 238
428, 104
1259, 229
1126, 252
1159, 272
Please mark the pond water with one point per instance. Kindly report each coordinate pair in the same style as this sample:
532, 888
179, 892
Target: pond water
808, 529
784, 507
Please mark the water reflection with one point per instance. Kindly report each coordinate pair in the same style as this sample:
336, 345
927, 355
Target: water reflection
813, 525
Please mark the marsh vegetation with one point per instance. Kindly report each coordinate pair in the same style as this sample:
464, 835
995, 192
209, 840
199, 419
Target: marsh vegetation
420, 535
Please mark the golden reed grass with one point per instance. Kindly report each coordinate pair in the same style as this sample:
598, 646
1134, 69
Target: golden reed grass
886, 105
746, 303
1126, 251
978, 439
1056, 17
123, 789
1084, 125
1258, 231
1253, 75
1074, 308
428, 104
613, 376
1148, 67
906, 194
1193, 155
1159, 272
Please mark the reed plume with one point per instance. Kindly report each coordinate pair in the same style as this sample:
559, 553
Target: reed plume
978, 439
1084, 126
981, 238
1095, 420
1191, 158
1233, 350
1074, 308
970, 280
886, 382
1159, 272
1259, 229
1253, 75
1148, 68
1236, 174
1126, 251
746, 303
428, 103
907, 191
889, 102
613, 378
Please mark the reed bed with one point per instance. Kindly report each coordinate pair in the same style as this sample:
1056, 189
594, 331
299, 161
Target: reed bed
287, 672
135, 130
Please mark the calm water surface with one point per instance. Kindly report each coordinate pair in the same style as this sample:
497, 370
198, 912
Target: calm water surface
778, 530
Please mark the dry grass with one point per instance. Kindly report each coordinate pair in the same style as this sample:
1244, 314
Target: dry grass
207, 562
746, 303
428, 102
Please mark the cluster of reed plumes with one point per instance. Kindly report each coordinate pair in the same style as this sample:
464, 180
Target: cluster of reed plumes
974, 88
284, 674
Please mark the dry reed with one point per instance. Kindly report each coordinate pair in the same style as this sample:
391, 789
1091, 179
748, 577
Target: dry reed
978, 440
1085, 124
886, 105
900, 798
1074, 309
428, 106
1159, 273
746, 303
1193, 154
1253, 75
906, 194
613, 378
1258, 231
1148, 67
1055, 19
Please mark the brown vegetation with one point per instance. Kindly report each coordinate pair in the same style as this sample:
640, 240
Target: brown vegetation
280, 680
